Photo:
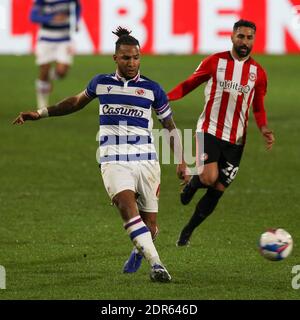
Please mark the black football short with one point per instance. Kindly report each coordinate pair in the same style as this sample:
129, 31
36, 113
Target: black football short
226, 154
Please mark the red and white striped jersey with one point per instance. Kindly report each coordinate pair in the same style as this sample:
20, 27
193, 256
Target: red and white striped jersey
232, 86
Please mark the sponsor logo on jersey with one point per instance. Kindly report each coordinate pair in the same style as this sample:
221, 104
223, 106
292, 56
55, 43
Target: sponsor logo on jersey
252, 76
140, 92
227, 85
123, 111
109, 88
56, 8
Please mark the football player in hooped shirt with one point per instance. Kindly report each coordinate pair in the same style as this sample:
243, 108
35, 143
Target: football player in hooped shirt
234, 82
58, 21
129, 164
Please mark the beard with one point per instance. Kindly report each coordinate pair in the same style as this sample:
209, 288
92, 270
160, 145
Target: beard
242, 51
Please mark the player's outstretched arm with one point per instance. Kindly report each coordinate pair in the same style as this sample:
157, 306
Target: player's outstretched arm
64, 107
201, 74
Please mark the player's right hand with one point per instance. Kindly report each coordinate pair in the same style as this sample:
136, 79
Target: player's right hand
24, 116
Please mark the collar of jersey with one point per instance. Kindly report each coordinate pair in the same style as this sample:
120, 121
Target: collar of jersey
135, 79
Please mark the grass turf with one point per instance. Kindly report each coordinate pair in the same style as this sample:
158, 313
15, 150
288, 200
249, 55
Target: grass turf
61, 238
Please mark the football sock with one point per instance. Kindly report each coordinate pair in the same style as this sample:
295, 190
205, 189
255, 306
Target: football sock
153, 239
196, 182
140, 235
43, 89
204, 208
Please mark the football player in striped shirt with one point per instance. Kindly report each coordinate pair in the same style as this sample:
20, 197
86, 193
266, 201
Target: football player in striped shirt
129, 164
234, 82
58, 20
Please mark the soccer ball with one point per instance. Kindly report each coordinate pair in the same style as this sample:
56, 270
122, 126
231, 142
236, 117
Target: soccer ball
275, 244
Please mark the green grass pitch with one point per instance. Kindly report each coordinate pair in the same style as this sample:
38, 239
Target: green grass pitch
60, 237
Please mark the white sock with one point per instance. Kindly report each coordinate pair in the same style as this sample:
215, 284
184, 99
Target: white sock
141, 238
43, 89
153, 239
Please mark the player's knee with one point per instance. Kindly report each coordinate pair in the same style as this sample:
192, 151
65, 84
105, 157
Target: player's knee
220, 186
208, 179
126, 205
120, 205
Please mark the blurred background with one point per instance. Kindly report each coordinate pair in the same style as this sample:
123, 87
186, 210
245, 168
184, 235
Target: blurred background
163, 26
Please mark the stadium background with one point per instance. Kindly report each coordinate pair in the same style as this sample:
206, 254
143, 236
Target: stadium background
61, 239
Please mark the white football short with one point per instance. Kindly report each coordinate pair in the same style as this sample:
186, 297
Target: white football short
47, 52
141, 177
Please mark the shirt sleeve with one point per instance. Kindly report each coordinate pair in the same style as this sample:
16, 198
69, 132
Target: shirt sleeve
90, 90
161, 105
200, 75
258, 99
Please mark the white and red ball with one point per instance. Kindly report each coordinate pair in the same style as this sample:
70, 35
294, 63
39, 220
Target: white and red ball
275, 244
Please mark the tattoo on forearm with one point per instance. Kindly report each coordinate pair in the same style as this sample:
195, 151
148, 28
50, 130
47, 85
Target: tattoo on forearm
66, 106
69, 105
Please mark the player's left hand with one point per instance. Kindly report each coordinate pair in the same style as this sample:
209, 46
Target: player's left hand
268, 136
24, 116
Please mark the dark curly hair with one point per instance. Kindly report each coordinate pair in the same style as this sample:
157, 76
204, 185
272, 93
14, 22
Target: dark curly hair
244, 23
124, 38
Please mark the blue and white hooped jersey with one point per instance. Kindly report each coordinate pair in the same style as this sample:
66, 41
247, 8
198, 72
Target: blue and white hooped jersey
43, 12
125, 116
